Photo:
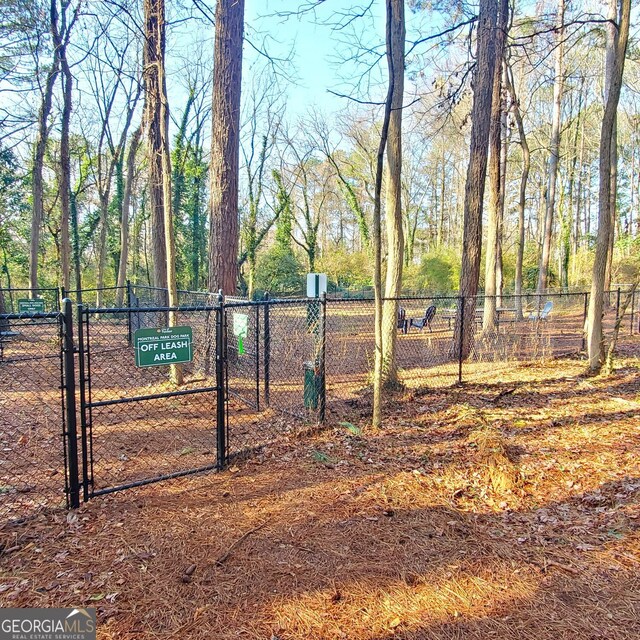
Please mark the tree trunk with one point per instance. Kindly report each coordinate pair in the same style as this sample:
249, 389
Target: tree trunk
102, 247
37, 187
60, 41
477, 169
489, 316
609, 61
595, 344
154, 44
554, 152
75, 233
377, 229
225, 146
393, 204
176, 372
124, 216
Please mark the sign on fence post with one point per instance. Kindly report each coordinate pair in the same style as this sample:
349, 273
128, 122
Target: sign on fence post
316, 284
31, 305
156, 347
240, 329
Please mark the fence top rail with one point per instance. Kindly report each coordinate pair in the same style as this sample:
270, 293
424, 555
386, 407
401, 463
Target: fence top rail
272, 302
51, 315
111, 310
151, 288
12, 289
93, 290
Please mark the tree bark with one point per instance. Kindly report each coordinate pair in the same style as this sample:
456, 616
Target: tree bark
477, 170
60, 40
609, 62
124, 216
154, 46
393, 204
377, 230
37, 188
225, 146
489, 316
595, 344
554, 152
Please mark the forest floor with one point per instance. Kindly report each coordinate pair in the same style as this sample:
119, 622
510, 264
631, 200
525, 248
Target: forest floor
504, 510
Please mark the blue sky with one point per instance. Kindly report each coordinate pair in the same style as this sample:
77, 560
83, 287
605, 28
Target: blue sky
315, 51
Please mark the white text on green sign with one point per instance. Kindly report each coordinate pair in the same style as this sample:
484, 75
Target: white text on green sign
31, 305
155, 347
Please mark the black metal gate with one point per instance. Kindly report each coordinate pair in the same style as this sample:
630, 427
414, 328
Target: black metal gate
37, 413
127, 423
136, 425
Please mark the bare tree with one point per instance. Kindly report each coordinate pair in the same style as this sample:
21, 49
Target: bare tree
486, 61
37, 183
125, 215
378, 371
496, 193
393, 199
522, 194
595, 342
157, 119
554, 151
609, 62
61, 32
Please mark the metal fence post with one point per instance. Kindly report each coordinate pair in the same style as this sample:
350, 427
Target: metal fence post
70, 406
221, 435
633, 304
129, 331
82, 377
257, 347
267, 348
617, 303
322, 406
584, 320
460, 338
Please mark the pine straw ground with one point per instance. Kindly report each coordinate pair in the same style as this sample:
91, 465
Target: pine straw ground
507, 510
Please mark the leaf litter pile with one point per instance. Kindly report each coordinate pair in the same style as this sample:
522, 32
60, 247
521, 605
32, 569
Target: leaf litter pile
504, 510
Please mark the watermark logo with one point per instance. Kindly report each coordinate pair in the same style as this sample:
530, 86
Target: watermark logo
48, 624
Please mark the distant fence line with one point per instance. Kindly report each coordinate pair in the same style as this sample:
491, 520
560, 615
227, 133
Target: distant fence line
146, 295
81, 414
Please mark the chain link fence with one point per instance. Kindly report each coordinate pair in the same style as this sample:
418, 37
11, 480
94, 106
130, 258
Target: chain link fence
32, 426
257, 372
21, 301
274, 369
430, 353
142, 425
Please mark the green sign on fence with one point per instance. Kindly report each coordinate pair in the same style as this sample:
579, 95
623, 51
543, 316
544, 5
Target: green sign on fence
31, 305
240, 329
155, 347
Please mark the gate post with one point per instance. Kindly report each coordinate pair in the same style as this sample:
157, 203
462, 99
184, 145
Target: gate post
84, 431
322, 359
267, 348
257, 348
221, 427
129, 330
585, 313
70, 405
461, 338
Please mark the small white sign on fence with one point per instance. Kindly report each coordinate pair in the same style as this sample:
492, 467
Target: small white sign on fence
316, 284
